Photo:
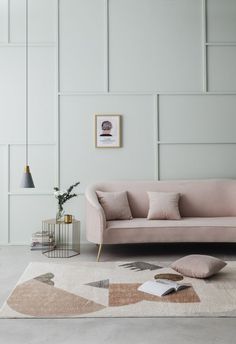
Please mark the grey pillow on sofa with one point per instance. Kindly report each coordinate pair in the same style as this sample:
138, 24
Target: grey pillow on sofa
115, 205
198, 266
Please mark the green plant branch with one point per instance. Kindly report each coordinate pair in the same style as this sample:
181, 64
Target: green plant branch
62, 199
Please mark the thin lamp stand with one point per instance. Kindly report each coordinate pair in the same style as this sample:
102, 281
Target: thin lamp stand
27, 180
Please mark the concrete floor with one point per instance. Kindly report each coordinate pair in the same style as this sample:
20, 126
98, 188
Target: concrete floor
14, 259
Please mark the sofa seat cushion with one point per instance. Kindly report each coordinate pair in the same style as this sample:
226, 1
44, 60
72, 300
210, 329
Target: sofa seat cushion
199, 229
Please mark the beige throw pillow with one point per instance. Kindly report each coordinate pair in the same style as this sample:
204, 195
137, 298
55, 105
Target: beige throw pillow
163, 206
198, 266
115, 205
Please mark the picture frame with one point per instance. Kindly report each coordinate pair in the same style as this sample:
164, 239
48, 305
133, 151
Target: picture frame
107, 130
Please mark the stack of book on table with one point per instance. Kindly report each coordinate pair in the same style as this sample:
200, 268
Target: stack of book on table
42, 240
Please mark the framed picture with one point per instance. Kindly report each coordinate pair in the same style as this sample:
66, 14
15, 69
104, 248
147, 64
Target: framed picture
107, 131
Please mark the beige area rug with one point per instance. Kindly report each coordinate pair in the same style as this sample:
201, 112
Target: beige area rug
110, 290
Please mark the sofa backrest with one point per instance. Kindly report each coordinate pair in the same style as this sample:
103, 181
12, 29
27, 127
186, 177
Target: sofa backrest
199, 198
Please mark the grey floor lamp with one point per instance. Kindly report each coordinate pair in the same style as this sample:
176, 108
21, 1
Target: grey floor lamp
27, 180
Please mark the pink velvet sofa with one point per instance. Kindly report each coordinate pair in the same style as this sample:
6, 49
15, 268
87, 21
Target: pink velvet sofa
207, 208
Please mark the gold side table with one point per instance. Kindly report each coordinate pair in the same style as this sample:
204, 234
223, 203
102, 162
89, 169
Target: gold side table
64, 238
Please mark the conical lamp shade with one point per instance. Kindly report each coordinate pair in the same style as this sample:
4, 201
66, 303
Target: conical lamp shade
27, 180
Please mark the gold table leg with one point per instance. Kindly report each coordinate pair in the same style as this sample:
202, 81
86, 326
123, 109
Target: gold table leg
99, 252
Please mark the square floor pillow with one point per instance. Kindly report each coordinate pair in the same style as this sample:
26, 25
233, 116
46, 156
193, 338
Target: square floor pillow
198, 266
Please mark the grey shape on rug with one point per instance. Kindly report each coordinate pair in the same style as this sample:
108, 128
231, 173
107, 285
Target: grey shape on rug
99, 284
46, 278
141, 266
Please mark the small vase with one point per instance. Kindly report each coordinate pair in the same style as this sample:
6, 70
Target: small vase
59, 215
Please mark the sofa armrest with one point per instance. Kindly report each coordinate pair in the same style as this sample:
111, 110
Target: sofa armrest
95, 217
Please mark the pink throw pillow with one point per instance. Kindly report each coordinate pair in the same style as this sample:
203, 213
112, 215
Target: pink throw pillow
163, 206
198, 266
115, 205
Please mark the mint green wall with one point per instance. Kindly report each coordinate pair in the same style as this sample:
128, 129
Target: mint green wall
167, 66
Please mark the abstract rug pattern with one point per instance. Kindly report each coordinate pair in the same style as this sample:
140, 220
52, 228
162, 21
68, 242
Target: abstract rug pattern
110, 290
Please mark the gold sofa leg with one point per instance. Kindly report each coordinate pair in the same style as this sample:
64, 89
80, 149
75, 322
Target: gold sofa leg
99, 252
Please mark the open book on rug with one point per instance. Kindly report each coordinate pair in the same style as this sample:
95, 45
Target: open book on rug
161, 287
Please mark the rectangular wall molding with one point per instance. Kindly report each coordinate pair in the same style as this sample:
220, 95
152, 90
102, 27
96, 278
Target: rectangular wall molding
158, 93
204, 49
